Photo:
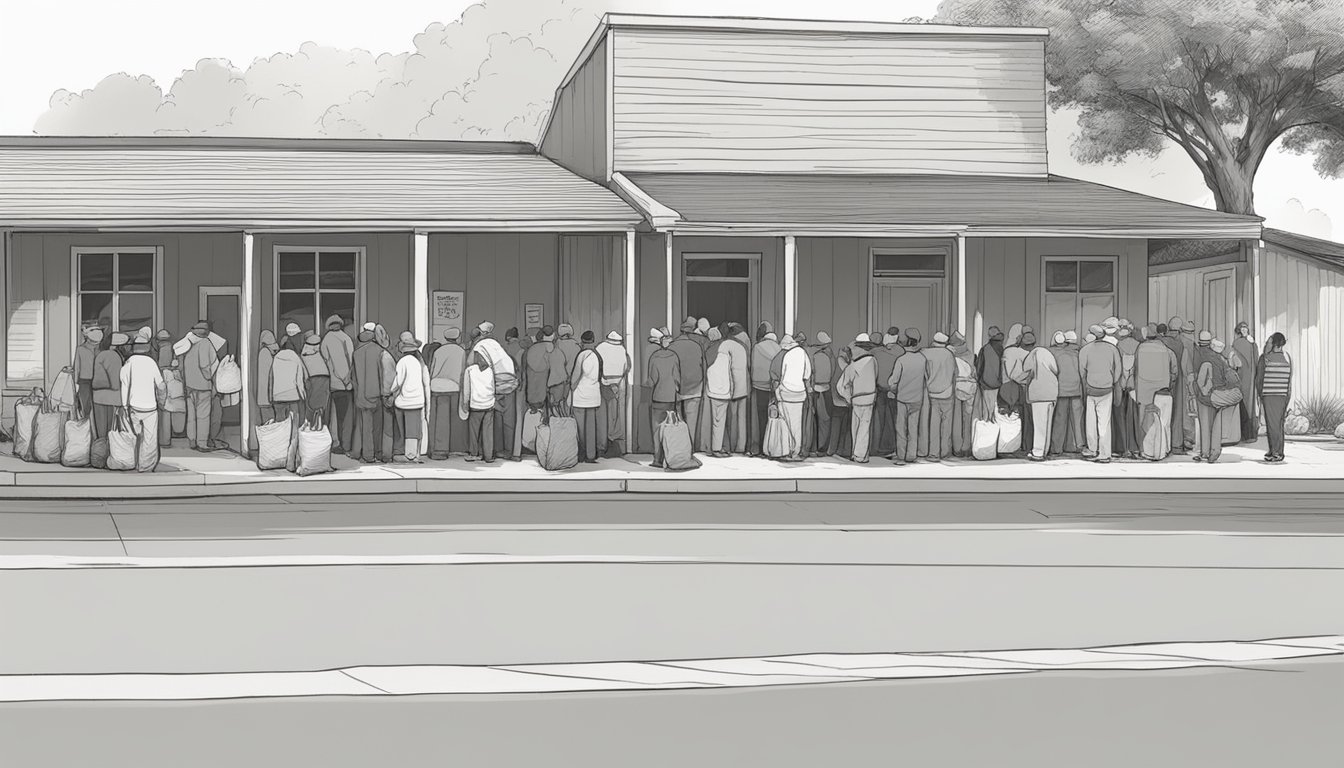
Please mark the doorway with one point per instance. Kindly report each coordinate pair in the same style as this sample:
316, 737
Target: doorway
221, 307
720, 287
1220, 303
908, 302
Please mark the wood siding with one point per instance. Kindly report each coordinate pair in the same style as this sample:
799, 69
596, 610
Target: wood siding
1181, 293
688, 100
499, 273
577, 137
1304, 300
651, 291
592, 283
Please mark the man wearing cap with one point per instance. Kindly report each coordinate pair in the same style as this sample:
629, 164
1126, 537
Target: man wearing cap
569, 348
718, 390
537, 366
736, 344
963, 393
1100, 368
142, 393
198, 374
371, 388
161, 352
1156, 369
1128, 412
85, 354
1183, 391
502, 368
791, 391
1211, 374
410, 396
935, 424
823, 374
908, 386
855, 392
691, 358
615, 371
318, 377
663, 378
883, 433
1066, 433
447, 432
585, 386
338, 351
762, 358
1188, 341
265, 359
1042, 393
514, 346
293, 338
1245, 348
989, 373
106, 384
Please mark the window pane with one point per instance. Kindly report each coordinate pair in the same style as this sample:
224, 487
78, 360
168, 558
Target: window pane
135, 271
923, 263
337, 270
135, 310
718, 268
96, 307
1096, 277
95, 272
1060, 314
1096, 309
296, 270
342, 304
1061, 276
296, 308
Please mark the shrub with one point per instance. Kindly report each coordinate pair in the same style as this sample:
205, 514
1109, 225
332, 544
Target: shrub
1339, 431
1323, 413
1296, 425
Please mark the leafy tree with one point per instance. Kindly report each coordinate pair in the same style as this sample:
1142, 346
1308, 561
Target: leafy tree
1222, 79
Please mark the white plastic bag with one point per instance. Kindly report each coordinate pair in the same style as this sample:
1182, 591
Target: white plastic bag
228, 377
1010, 433
273, 444
984, 440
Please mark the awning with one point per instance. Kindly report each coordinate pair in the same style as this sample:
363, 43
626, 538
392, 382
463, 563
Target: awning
306, 183
982, 206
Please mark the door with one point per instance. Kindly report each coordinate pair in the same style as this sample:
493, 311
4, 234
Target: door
221, 307
908, 302
1220, 303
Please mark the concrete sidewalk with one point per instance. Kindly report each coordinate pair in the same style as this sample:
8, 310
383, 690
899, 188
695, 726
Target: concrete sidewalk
1310, 468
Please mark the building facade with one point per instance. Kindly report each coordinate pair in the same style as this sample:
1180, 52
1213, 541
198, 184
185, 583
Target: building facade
818, 176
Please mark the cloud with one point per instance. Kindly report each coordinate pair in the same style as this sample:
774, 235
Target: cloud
1293, 216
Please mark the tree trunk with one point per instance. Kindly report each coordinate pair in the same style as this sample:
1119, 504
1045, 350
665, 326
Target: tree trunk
1232, 184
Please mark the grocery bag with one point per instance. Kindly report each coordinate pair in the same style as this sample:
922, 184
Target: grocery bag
1010, 433
984, 440
228, 377
121, 444
558, 444
78, 448
49, 433
273, 443
313, 452
778, 442
531, 420
63, 389
674, 443
25, 416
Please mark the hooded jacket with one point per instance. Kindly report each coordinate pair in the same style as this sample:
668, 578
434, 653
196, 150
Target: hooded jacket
738, 361
1100, 367
762, 357
445, 376
1069, 376
1155, 369
857, 385
823, 365
338, 351
540, 361
288, 377
989, 365
664, 375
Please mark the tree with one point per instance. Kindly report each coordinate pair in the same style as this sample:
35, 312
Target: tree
1222, 79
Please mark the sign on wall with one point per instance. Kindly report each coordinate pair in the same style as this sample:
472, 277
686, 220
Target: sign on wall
447, 308
533, 315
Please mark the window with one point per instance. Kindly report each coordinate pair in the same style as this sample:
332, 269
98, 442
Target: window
720, 287
909, 264
1078, 293
117, 288
312, 285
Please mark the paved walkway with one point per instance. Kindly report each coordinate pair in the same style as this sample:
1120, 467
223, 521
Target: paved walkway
1311, 467
809, 669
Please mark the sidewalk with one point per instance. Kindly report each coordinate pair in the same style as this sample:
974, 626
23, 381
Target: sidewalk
1311, 468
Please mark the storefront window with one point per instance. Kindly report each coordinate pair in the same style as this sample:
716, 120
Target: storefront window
1078, 293
314, 285
117, 289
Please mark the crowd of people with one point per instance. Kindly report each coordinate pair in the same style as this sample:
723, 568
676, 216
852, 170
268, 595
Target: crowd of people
886, 394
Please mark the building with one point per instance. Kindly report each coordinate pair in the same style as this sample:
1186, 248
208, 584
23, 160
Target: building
1286, 283
820, 176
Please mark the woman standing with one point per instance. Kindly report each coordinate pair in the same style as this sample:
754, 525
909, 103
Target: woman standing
319, 378
410, 389
1274, 384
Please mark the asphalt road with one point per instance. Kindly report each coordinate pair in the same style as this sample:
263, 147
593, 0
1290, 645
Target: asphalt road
1286, 715
527, 580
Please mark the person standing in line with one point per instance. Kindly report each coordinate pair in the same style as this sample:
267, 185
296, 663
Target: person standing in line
1183, 391
502, 368
85, 354
887, 347
293, 338
1100, 368
663, 378
1187, 339
392, 439
823, 373
963, 394
615, 370
142, 395
1274, 384
198, 375
908, 386
410, 391
989, 372
338, 352
840, 443
537, 372
161, 352
690, 356
568, 347
586, 386
1245, 348
936, 413
855, 392
1066, 432
1042, 393
719, 388
265, 359
106, 384
369, 390
513, 346
1128, 346
477, 408
445, 391
791, 391
558, 366
701, 335
762, 358
319, 379
737, 345
288, 384
1211, 374
1015, 383
1156, 369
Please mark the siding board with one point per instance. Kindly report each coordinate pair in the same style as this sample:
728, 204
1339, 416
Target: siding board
577, 136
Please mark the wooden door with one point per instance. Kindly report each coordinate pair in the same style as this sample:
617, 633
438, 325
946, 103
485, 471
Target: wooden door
907, 302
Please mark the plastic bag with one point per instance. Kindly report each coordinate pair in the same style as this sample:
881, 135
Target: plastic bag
78, 449
25, 416
531, 420
228, 377
49, 433
313, 451
778, 440
175, 392
674, 444
558, 444
1010, 434
121, 444
984, 440
63, 390
273, 443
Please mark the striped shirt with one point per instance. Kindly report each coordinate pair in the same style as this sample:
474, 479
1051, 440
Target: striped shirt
1276, 374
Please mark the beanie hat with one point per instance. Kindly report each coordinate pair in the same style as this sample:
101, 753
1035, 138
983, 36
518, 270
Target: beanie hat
1059, 338
823, 337
912, 335
1028, 339
587, 337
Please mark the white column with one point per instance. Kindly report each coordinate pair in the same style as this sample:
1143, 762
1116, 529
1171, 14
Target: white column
790, 284
671, 311
420, 288
630, 345
1257, 251
246, 339
961, 284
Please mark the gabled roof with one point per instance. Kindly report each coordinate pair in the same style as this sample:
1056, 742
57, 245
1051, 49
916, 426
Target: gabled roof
1325, 250
194, 182
972, 205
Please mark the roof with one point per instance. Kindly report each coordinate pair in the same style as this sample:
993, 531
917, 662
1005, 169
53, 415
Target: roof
755, 24
972, 205
296, 183
1325, 250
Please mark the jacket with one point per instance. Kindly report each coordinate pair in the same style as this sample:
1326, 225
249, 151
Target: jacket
107, 378
1274, 375
989, 366
1212, 375
288, 377
1044, 369
909, 378
141, 384
739, 361
501, 365
410, 389
719, 372
313, 362
264, 360
478, 390
586, 381
795, 375
941, 368
1184, 369
664, 376
1251, 356
823, 369
692, 358
884, 360
1155, 369
1100, 367
1013, 357
338, 351
445, 374
85, 354
857, 385
198, 365
370, 385
537, 367
615, 362
1128, 347
761, 359
569, 352
1069, 376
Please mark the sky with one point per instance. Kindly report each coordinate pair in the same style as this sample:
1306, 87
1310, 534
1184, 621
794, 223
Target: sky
41, 51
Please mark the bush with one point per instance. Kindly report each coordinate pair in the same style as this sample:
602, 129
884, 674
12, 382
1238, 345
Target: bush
1339, 431
1296, 425
1323, 413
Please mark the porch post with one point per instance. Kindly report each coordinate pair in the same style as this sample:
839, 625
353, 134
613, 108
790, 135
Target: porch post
630, 347
420, 288
245, 343
671, 311
1256, 251
961, 285
790, 284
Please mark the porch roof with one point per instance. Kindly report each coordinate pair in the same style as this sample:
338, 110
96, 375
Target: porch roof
979, 206
284, 183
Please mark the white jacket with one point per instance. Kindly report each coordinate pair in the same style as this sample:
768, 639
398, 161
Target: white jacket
795, 371
141, 384
478, 390
587, 384
411, 386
